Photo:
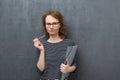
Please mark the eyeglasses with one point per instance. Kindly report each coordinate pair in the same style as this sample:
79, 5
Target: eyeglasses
54, 24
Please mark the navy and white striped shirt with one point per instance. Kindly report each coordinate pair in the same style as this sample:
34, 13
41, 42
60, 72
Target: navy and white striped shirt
54, 55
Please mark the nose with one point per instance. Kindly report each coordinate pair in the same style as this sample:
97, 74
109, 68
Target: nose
51, 26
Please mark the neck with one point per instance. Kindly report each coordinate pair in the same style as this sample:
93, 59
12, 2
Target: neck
54, 38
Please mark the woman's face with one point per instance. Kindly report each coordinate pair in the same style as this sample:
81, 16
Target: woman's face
52, 25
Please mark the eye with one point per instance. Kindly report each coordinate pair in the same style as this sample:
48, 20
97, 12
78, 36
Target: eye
48, 23
55, 23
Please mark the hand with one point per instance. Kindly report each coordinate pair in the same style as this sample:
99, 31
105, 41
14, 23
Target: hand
38, 44
65, 68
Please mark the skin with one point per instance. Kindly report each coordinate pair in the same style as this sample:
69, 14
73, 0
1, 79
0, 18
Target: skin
54, 37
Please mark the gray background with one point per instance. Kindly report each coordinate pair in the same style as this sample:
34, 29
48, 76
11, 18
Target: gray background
93, 24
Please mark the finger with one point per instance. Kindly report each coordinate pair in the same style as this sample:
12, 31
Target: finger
36, 39
62, 69
39, 44
67, 62
62, 65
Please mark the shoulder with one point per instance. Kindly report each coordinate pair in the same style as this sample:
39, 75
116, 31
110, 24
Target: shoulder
70, 42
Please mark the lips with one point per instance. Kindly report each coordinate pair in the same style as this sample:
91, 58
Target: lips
52, 30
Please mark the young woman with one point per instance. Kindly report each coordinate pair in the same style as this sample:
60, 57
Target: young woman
53, 50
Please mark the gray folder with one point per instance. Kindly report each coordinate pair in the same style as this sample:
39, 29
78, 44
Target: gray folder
70, 54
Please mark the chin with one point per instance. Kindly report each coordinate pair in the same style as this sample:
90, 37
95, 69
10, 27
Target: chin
52, 33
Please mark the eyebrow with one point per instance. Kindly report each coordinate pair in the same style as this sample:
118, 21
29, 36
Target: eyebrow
53, 22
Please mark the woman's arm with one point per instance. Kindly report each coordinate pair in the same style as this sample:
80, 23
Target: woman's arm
66, 68
41, 60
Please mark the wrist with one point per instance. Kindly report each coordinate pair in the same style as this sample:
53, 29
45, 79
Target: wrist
71, 68
42, 50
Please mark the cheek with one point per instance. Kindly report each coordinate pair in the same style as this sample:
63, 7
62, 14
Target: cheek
47, 29
57, 29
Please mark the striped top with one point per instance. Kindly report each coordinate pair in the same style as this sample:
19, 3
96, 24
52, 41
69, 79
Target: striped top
54, 55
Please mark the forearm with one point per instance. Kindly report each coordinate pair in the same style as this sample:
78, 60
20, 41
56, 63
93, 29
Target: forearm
41, 61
